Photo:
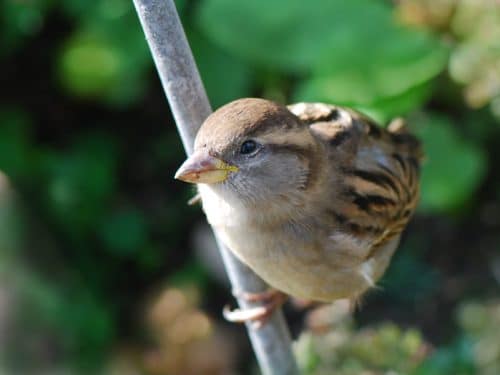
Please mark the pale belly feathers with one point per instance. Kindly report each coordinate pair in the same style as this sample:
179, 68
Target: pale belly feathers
301, 268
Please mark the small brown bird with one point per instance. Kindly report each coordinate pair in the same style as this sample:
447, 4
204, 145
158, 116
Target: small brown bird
312, 197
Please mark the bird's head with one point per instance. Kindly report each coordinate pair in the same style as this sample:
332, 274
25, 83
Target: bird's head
253, 150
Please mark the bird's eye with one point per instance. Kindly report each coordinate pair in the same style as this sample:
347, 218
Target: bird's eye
248, 147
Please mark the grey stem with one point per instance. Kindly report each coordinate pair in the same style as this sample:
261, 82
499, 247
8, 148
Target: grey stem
189, 104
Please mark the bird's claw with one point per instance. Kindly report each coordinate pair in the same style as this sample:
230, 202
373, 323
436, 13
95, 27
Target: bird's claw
194, 200
258, 315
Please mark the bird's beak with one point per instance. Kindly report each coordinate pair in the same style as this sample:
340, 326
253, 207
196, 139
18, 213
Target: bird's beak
203, 168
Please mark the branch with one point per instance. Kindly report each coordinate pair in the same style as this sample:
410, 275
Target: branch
189, 104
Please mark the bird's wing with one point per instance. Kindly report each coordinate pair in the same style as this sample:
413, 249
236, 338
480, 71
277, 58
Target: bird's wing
378, 168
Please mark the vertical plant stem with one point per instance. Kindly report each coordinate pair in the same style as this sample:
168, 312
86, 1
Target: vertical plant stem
189, 103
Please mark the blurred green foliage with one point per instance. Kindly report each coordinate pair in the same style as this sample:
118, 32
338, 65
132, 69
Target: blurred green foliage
387, 349
446, 151
375, 351
92, 220
387, 76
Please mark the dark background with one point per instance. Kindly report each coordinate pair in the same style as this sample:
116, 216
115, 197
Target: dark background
105, 269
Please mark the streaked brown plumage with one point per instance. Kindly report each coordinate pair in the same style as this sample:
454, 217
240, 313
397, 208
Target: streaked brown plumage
318, 207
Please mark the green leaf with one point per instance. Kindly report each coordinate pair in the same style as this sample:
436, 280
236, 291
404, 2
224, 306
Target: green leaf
389, 107
80, 183
124, 232
382, 109
297, 36
388, 73
89, 66
409, 279
20, 20
453, 169
456, 358
107, 56
16, 154
382, 65
225, 77
191, 272
80, 322
243, 28
286, 34
355, 52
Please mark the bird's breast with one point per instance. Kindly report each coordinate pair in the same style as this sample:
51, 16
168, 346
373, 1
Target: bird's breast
235, 225
295, 259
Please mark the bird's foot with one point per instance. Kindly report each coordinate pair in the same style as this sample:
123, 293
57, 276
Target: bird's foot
196, 199
271, 300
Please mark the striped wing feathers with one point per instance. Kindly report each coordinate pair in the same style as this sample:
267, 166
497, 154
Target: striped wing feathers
380, 174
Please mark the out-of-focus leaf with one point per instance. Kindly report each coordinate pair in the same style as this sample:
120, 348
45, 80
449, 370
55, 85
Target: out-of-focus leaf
181, 5
453, 169
89, 66
80, 184
355, 44
338, 349
390, 107
357, 54
474, 27
473, 318
16, 154
471, 18
382, 109
124, 232
19, 20
107, 57
82, 326
388, 72
480, 321
192, 272
225, 77
475, 64
151, 258
101, 12
454, 359
409, 279
290, 35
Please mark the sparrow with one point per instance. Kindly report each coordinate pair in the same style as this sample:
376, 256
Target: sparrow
312, 197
